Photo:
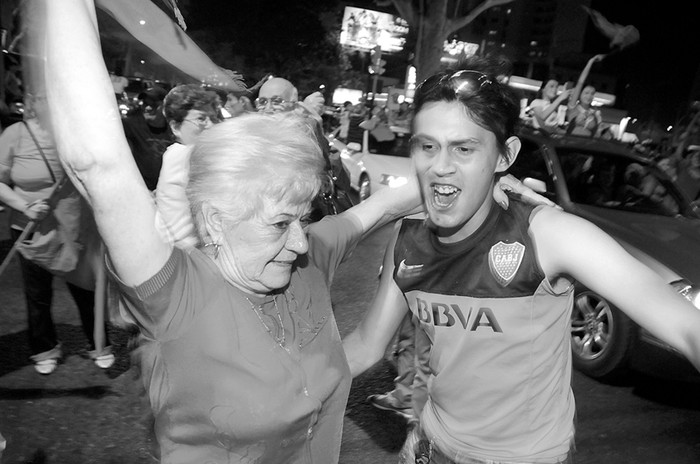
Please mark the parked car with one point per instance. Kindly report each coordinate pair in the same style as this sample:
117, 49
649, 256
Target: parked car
370, 169
600, 181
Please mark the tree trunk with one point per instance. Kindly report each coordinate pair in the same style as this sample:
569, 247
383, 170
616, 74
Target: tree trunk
434, 24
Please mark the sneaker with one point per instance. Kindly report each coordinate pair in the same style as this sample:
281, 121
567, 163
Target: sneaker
45, 363
104, 359
46, 367
388, 402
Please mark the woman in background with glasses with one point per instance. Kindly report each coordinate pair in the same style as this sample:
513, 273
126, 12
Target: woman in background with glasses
189, 110
493, 289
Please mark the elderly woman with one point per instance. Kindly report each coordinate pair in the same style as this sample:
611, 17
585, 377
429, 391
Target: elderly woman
240, 354
189, 109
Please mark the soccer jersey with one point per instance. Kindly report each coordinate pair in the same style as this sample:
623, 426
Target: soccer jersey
501, 361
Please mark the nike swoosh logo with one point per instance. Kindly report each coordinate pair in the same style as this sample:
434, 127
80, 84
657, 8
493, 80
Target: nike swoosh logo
408, 270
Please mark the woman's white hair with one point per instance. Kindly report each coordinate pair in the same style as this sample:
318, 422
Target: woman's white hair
236, 164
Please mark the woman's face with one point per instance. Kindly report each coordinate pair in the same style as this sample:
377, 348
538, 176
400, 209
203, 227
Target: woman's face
193, 125
257, 254
550, 89
587, 95
455, 161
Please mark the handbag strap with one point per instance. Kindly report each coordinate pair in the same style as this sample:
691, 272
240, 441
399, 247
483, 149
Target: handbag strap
36, 142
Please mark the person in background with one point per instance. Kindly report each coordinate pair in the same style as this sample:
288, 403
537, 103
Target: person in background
381, 136
29, 171
358, 114
402, 116
149, 135
278, 95
189, 109
582, 117
344, 119
683, 160
119, 84
236, 104
493, 289
411, 355
545, 108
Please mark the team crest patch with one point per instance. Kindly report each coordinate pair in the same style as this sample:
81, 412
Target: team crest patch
504, 261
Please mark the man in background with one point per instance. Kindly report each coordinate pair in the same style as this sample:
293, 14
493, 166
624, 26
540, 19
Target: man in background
148, 134
279, 95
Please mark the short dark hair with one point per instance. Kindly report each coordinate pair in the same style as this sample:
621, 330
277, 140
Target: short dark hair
183, 98
494, 106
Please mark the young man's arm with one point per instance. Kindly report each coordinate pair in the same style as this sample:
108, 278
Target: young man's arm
569, 245
366, 345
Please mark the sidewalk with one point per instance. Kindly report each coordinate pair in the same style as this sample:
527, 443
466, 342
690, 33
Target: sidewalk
80, 413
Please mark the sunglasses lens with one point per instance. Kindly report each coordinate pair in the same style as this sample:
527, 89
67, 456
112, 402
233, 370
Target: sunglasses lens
464, 83
468, 82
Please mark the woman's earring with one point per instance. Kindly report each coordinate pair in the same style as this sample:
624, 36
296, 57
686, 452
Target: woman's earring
217, 247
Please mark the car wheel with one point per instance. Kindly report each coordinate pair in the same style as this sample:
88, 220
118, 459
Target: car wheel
601, 337
364, 190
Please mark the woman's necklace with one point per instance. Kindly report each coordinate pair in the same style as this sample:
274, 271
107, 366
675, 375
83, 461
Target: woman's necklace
257, 309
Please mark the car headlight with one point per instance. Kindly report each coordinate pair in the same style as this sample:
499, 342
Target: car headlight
689, 292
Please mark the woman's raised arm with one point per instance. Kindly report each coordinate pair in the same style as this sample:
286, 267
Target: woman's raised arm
87, 127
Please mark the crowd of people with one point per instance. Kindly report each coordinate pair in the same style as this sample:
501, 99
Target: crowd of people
204, 210
568, 110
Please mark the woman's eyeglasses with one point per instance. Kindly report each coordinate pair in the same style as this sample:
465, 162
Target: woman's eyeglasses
464, 83
202, 121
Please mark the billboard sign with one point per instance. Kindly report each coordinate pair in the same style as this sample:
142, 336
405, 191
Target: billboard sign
364, 29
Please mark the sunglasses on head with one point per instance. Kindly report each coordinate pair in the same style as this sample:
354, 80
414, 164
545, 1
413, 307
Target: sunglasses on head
464, 82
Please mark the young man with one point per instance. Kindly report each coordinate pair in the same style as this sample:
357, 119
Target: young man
493, 289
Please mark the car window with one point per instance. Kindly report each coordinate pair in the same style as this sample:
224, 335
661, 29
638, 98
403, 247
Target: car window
616, 182
399, 146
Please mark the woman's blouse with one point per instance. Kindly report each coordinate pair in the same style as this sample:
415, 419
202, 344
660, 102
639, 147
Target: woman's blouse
224, 384
552, 121
171, 200
23, 168
584, 121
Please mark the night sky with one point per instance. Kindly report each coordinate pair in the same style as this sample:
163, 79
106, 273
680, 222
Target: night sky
661, 67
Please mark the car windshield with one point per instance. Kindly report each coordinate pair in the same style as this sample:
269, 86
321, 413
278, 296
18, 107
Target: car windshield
399, 146
617, 182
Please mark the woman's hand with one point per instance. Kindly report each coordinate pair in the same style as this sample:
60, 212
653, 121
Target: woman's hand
509, 184
37, 210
